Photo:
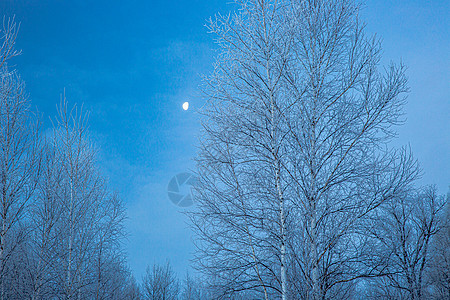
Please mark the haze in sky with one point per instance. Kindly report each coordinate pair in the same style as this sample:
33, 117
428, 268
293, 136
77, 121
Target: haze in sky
134, 63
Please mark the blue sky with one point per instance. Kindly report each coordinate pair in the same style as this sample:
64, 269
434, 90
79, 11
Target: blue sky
133, 63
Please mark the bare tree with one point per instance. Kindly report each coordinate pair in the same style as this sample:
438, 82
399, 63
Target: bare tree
241, 217
132, 291
160, 283
61, 228
109, 258
439, 270
293, 157
78, 222
406, 229
71, 238
46, 213
8, 35
193, 289
79, 196
19, 153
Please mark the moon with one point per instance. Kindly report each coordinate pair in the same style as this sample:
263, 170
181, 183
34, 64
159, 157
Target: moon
185, 105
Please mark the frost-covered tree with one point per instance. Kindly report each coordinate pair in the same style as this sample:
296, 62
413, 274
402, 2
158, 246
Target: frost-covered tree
293, 156
438, 274
194, 289
8, 35
406, 229
79, 222
160, 283
19, 160
60, 226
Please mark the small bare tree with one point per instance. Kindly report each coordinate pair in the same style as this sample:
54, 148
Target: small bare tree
406, 228
193, 289
439, 270
160, 283
132, 291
